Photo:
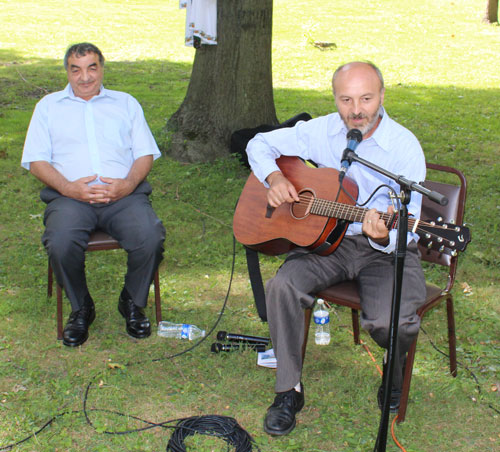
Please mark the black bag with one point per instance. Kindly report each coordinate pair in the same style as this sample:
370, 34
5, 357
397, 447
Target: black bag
240, 138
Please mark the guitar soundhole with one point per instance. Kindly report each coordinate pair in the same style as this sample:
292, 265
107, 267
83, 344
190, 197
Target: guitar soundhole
300, 210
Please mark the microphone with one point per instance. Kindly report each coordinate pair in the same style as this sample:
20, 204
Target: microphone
217, 347
354, 137
224, 336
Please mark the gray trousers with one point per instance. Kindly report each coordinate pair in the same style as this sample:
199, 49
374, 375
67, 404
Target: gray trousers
130, 220
293, 288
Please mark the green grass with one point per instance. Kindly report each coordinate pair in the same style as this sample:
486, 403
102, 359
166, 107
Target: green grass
440, 64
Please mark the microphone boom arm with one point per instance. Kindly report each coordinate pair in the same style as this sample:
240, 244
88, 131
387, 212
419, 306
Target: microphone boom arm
438, 198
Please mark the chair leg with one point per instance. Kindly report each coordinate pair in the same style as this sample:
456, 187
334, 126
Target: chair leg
307, 324
452, 339
50, 279
157, 297
405, 392
355, 326
59, 312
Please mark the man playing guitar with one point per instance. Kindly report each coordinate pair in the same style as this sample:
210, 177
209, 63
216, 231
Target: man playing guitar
366, 252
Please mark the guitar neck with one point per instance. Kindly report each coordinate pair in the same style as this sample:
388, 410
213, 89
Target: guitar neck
332, 209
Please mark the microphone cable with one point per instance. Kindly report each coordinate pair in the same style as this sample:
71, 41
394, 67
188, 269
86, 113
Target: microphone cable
472, 374
215, 425
224, 427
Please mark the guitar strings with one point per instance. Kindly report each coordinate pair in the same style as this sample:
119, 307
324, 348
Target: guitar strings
334, 209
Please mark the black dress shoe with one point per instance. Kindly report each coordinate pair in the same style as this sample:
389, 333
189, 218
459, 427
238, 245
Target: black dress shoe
280, 416
393, 402
76, 331
137, 323
395, 399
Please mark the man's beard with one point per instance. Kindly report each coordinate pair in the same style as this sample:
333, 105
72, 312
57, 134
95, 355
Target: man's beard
371, 123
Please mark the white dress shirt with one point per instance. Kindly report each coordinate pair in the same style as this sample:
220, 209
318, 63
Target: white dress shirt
80, 138
323, 140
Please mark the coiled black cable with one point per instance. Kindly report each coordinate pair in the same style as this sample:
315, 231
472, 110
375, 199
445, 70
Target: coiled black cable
214, 425
223, 427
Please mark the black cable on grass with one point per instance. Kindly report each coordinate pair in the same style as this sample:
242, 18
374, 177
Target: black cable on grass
43, 427
473, 375
224, 427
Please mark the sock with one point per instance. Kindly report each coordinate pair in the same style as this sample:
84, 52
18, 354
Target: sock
298, 387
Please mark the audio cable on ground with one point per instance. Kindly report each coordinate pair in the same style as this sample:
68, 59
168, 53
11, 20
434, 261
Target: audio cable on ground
224, 427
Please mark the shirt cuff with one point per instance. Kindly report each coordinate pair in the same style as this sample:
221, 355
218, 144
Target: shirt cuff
389, 248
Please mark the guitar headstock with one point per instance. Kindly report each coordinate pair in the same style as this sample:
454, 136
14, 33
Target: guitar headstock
446, 238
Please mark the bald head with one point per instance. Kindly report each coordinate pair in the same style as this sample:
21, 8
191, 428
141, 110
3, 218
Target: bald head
365, 69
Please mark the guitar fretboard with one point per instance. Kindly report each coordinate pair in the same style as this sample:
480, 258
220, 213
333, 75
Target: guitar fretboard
332, 209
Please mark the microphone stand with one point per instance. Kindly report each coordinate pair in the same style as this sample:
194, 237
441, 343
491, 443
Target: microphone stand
407, 186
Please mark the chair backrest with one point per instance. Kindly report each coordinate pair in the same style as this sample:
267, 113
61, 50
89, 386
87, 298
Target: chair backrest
453, 212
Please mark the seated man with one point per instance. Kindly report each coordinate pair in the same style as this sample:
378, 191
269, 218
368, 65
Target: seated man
93, 149
366, 252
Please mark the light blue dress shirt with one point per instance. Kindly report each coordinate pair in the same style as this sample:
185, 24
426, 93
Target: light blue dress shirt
80, 138
323, 140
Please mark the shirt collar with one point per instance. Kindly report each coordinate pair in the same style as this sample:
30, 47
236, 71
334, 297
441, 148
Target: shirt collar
382, 132
380, 136
67, 93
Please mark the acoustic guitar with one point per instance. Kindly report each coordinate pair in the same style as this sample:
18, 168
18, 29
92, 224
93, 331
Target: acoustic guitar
318, 222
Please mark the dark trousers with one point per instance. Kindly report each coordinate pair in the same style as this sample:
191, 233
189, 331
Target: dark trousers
130, 220
293, 288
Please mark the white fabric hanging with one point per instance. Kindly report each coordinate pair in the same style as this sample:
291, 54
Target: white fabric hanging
201, 21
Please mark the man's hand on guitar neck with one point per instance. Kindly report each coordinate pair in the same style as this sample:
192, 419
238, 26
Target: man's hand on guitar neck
375, 228
280, 190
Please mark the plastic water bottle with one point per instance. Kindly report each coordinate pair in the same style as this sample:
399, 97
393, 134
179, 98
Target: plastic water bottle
180, 331
322, 322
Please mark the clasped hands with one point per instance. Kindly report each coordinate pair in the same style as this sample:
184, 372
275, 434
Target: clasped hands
112, 189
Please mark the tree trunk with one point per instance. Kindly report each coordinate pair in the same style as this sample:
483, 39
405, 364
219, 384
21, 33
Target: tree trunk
230, 86
491, 15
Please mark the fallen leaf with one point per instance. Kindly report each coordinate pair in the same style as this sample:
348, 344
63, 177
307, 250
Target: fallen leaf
115, 366
467, 290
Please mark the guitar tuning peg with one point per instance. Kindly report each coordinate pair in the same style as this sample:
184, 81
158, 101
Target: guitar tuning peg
441, 248
440, 219
429, 245
440, 239
457, 229
445, 226
452, 221
454, 253
427, 236
452, 243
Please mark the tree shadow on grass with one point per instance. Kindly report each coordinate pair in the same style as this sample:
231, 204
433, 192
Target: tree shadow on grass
456, 126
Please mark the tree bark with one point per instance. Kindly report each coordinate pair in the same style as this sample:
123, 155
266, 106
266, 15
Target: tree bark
491, 15
230, 86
